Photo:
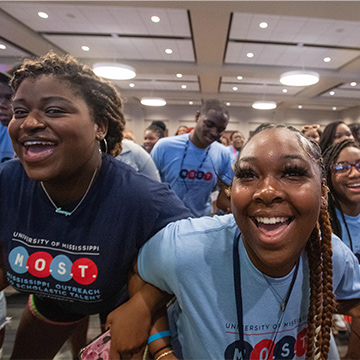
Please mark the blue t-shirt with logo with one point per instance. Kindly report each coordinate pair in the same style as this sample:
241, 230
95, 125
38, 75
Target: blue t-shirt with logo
192, 172
353, 224
193, 259
80, 260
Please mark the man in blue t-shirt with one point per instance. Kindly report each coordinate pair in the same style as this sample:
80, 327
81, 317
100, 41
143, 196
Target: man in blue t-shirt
193, 164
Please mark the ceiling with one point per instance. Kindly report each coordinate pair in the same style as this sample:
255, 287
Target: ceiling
210, 42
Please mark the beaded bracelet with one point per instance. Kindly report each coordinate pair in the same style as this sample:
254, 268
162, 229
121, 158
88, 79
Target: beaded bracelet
159, 335
164, 354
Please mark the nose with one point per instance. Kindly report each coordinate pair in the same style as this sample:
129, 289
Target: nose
31, 123
268, 191
354, 172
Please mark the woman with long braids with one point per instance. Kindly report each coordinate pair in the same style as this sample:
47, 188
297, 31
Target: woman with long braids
255, 284
342, 165
72, 217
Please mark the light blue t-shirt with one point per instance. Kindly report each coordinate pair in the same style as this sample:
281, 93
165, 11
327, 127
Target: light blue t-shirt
353, 223
193, 260
138, 158
192, 172
6, 148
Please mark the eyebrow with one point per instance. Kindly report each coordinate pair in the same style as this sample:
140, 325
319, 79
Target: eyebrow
284, 157
45, 99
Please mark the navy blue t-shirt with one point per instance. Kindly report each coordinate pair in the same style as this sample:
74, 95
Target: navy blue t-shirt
81, 260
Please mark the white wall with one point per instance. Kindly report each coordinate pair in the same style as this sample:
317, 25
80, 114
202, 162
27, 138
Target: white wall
244, 119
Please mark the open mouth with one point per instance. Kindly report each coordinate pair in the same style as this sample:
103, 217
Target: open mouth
38, 150
271, 225
354, 187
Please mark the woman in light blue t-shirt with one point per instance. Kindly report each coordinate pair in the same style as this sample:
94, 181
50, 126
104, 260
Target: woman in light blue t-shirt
342, 163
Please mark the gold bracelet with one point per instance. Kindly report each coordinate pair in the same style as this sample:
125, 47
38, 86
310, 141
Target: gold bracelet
164, 354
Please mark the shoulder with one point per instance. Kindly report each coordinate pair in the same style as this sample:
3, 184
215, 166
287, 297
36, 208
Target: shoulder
204, 227
11, 167
171, 141
220, 149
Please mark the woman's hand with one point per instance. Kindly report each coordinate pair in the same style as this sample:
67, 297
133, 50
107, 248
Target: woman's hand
129, 328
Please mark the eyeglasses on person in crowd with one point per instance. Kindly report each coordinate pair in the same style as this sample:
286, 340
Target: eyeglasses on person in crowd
308, 127
344, 167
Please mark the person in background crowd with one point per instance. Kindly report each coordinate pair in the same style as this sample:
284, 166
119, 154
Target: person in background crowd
6, 153
312, 132
74, 217
253, 285
225, 141
182, 129
335, 132
6, 148
237, 142
193, 163
355, 129
129, 135
153, 133
342, 165
135, 156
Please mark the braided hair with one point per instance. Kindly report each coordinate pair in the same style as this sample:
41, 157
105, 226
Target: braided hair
103, 100
330, 157
319, 253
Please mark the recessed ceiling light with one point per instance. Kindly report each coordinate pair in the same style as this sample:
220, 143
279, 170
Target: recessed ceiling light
250, 55
299, 106
43, 15
263, 25
169, 51
334, 108
183, 86
149, 101
191, 102
332, 93
235, 88
132, 85
239, 77
228, 104
284, 91
155, 19
327, 59
85, 48
353, 83
299, 78
264, 105
179, 75
114, 71
2, 47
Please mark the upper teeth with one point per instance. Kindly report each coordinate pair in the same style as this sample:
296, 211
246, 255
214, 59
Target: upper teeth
354, 185
272, 220
30, 143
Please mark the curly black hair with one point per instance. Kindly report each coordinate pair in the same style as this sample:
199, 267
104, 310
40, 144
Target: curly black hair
102, 98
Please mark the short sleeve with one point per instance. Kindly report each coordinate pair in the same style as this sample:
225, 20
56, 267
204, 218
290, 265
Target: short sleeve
346, 271
157, 261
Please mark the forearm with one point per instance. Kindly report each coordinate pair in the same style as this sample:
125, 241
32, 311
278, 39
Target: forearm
159, 340
349, 307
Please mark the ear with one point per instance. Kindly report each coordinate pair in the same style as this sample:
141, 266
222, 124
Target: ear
324, 195
197, 115
101, 130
